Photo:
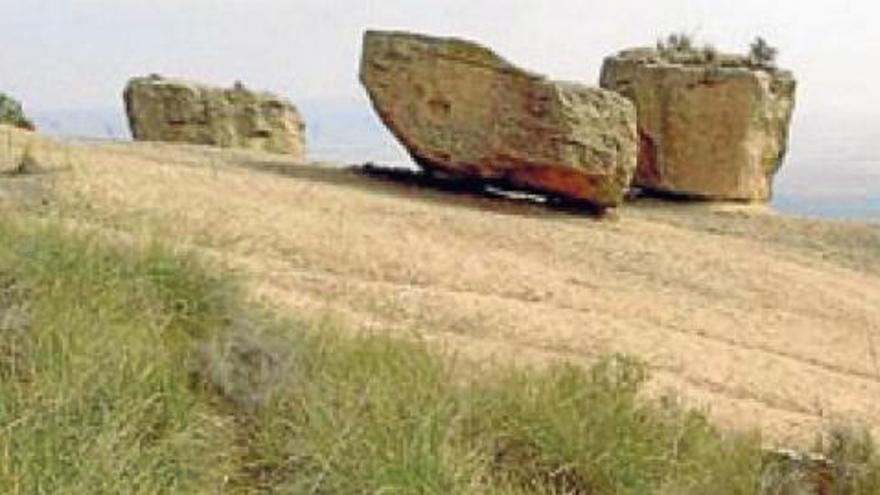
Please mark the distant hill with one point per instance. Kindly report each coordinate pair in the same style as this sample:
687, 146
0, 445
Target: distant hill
96, 122
832, 169
349, 131
338, 130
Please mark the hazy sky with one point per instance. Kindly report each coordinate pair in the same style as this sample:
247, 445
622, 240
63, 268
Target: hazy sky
79, 53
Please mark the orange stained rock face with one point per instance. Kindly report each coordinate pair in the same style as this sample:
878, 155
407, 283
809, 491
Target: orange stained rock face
462, 110
707, 131
647, 171
560, 181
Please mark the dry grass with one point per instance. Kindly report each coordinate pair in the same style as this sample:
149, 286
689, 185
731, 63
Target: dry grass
767, 321
94, 387
128, 367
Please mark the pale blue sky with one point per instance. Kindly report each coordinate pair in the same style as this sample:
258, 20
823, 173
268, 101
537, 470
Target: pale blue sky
79, 53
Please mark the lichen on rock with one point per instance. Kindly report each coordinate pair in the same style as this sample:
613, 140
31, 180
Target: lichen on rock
462, 110
174, 110
709, 129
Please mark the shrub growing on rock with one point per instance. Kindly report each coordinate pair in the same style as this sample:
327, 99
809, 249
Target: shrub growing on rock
730, 118
12, 114
676, 42
680, 48
761, 54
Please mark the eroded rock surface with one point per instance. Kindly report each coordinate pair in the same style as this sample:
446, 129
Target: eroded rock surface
463, 111
162, 109
715, 129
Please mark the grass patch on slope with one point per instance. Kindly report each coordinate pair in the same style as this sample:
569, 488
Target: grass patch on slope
95, 394
138, 370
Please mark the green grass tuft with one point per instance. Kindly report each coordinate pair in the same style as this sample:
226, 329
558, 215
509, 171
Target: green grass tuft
138, 370
95, 395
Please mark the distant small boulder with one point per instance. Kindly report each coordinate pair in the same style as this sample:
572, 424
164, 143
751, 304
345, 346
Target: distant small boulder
463, 111
711, 125
12, 114
173, 110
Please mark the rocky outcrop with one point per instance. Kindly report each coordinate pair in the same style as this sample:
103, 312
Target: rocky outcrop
711, 126
162, 109
12, 114
463, 111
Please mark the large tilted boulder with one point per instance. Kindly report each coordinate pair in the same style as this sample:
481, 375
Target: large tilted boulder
173, 110
12, 114
711, 126
463, 111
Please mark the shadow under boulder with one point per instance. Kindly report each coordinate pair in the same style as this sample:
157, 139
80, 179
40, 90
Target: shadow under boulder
466, 113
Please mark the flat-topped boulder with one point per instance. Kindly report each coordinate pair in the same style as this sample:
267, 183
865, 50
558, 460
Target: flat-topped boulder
12, 114
711, 125
463, 111
174, 110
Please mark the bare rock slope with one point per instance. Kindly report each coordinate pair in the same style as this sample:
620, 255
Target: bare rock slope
710, 129
162, 109
764, 319
462, 110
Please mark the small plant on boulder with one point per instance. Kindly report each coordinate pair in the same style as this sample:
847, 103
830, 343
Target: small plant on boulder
680, 48
710, 54
761, 54
676, 42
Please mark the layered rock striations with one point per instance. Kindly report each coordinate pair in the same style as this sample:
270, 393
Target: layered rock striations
463, 111
172, 110
711, 126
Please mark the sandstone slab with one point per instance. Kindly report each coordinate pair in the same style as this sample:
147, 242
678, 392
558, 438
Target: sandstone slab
463, 111
713, 130
173, 110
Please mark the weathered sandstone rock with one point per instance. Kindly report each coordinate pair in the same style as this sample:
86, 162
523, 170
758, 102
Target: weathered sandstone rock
710, 129
12, 114
462, 110
180, 111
